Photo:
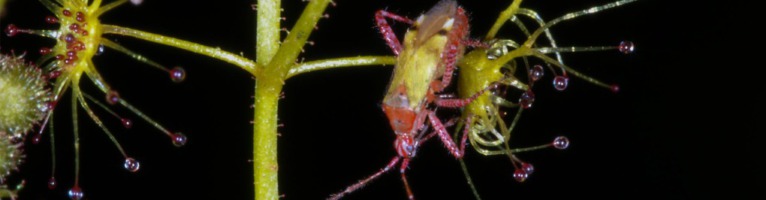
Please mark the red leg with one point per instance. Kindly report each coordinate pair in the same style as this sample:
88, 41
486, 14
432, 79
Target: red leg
454, 48
363, 182
385, 29
402, 169
474, 43
439, 128
459, 103
449, 123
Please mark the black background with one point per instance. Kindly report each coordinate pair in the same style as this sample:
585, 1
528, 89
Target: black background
686, 124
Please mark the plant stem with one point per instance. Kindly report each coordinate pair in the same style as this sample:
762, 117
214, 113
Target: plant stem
265, 164
267, 30
276, 60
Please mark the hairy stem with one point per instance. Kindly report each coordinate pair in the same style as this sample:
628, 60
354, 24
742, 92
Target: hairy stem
267, 30
267, 91
276, 61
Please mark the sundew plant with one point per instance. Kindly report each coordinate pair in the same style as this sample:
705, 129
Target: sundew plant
276, 99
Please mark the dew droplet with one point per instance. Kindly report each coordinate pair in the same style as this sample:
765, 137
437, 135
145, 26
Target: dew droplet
45, 50
75, 193
536, 73
51, 19
131, 164
112, 97
54, 74
80, 17
520, 175
52, 104
626, 47
79, 46
177, 74
74, 27
100, 49
615, 88
11, 30
528, 168
561, 142
179, 139
36, 138
126, 122
69, 38
52, 183
560, 83
526, 99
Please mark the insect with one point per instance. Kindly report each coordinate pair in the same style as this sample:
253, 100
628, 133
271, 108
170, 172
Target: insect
425, 63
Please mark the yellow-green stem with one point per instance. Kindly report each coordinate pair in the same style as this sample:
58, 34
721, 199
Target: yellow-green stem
504, 16
265, 165
268, 86
267, 30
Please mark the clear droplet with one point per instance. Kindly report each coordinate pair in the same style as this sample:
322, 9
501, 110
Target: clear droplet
127, 123
75, 193
615, 88
177, 74
561, 142
536, 73
179, 139
52, 183
131, 164
520, 175
626, 47
112, 97
527, 98
528, 168
560, 83
100, 49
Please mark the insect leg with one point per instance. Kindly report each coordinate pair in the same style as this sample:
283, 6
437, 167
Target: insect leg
364, 182
385, 29
454, 49
402, 170
459, 103
445, 137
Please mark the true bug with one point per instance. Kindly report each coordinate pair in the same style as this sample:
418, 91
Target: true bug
425, 63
